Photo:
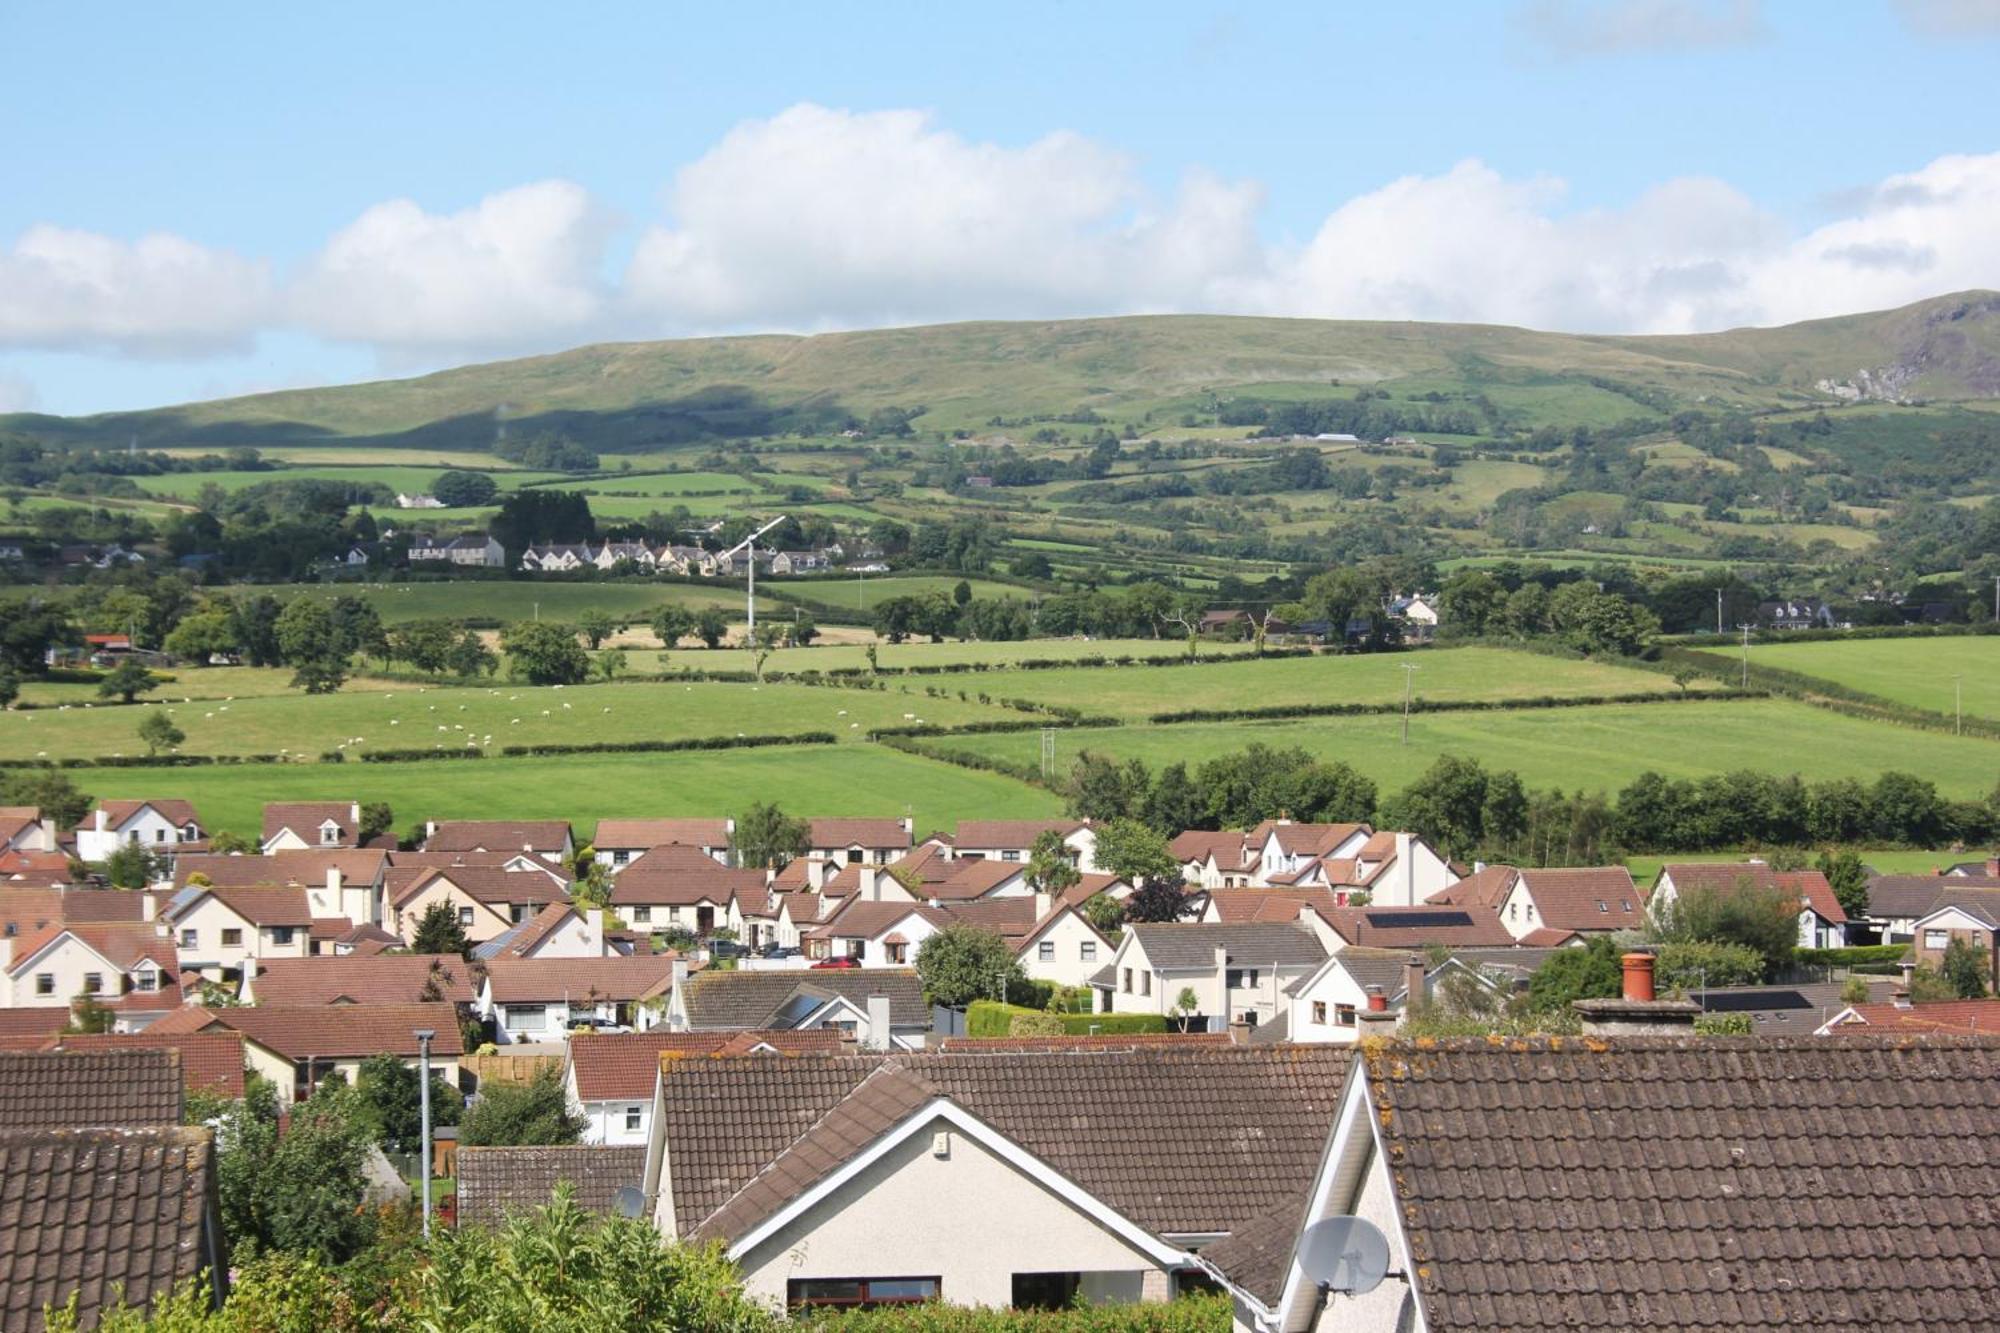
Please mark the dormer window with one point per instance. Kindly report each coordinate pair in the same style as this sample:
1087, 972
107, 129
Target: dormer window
329, 834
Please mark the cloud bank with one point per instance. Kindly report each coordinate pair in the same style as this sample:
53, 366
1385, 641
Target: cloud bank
819, 218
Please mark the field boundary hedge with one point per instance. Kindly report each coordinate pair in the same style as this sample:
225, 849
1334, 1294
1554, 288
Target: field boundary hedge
1819, 692
1449, 705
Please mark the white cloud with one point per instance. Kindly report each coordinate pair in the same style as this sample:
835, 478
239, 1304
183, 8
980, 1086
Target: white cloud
160, 295
17, 393
1580, 28
520, 267
1951, 18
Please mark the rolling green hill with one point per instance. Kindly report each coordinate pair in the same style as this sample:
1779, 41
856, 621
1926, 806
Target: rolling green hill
634, 396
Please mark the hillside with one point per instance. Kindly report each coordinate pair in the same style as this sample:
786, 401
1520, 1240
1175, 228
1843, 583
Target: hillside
633, 396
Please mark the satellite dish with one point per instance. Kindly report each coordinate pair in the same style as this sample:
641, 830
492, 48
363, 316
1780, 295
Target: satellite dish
632, 1201
1344, 1254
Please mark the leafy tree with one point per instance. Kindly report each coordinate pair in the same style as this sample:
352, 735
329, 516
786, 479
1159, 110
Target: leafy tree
671, 624
87, 1013
1762, 919
300, 1193
131, 865
126, 681
224, 842
1050, 869
531, 1114
711, 627
1100, 788
388, 1096
1590, 973
609, 663
1447, 807
464, 490
312, 645
1704, 964
439, 932
1849, 878
535, 516
1135, 853
545, 653
158, 731
1964, 967
1471, 601
802, 632
471, 657
1105, 913
896, 618
424, 644
961, 593
963, 963
28, 632
357, 628
211, 631
596, 626
767, 838
48, 789
10, 685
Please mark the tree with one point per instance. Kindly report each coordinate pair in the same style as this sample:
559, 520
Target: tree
49, 790
1446, 807
596, 626
766, 838
464, 490
209, 632
1135, 853
1964, 968
471, 657
963, 963
802, 632
88, 1014
10, 685
711, 627
1590, 973
961, 593
896, 618
127, 681
1050, 869
312, 645
439, 932
1849, 878
531, 1114
671, 624
1186, 1005
545, 653
388, 1097
131, 865
376, 819
1764, 919
300, 1193
158, 731
1100, 788
1105, 913
424, 644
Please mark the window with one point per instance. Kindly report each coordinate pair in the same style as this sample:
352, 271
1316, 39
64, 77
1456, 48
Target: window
328, 835
465, 916
1087, 951
1242, 978
642, 916
188, 938
45, 983
1145, 983
859, 1292
1046, 951
1513, 911
232, 938
620, 858
1319, 1012
854, 856
93, 983
674, 915
146, 981
1937, 939
527, 1017
632, 1116
159, 835
1343, 1014
1603, 906
1010, 855
1045, 1291
1126, 982
282, 935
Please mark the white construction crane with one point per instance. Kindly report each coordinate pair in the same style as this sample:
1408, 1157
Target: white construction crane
749, 546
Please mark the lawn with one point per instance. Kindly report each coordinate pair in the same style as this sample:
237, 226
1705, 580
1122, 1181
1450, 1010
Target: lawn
438, 717
1441, 674
495, 599
1598, 748
815, 780
669, 483
186, 485
1916, 672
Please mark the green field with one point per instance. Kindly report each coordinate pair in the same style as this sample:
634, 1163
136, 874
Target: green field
814, 780
865, 594
194, 683
1449, 674
186, 485
494, 599
950, 653
1597, 748
1917, 672
416, 717
671, 483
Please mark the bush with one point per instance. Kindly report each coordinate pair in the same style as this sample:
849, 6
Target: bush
989, 1018
1858, 955
1723, 1025
1704, 964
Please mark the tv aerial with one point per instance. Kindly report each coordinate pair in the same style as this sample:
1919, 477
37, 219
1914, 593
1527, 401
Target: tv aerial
1344, 1254
631, 1201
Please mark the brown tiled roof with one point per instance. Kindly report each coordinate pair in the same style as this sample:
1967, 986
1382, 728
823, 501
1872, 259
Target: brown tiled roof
487, 884
102, 1213
983, 833
974, 879
420, 858
31, 1027
859, 833
28, 910
498, 835
1568, 899
1013, 918
305, 867
1181, 946
614, 978
494, 1182
1270, 905
1916, 895
624, 1066
261, 907
121, 943
210, 1061
1226, 846
676, 874
79, 1090
1687, 1183
116, 813
1969, 1016
1486, 887
44, 868
1414, 927
342, 1031
305, 818
367, 979
529, 935
1257, 1256
857, 919
1100, 1041
1228, 1131
757, 999
1310, 839
627, 833
1725, 877
927, 862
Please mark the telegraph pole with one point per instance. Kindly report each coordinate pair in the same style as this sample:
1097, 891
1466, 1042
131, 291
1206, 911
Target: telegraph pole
1958, 705
1745, 627
1409, 670
1718, 607
423, 1036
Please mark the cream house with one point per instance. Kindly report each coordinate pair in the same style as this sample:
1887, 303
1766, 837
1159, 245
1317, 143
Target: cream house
1231, 973
1063, 947
298, 1047
217, 930
487, 900
127, 966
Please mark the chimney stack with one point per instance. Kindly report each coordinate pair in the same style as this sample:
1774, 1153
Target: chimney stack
870, 883
876, 1038
1044, 904
1638, 1012
1378, 1003
1413, 981
1900, 997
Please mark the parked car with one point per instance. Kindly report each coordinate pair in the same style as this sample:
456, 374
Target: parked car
780, 951
836, 963
725, 949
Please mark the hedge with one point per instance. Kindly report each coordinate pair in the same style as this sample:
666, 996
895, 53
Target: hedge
1852, 956
1447, 705
685, 743
1206, 1312
990, 1018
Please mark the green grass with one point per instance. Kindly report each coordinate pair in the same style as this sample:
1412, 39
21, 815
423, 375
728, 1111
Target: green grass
418, 717
1916, 672
676, 483
193, 683
815, 780
495, 599
858, 594
1599, 748
186, 485
1441, 674
1887, 860
834, 656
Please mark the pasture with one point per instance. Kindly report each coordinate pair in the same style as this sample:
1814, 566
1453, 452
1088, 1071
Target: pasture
507, 600
417, 717
1595, 748
950, 653
417, 479
1916, 672
804, 780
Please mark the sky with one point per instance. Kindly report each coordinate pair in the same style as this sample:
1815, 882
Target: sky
203, 201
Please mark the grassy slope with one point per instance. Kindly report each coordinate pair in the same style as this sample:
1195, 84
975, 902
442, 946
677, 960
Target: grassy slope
966, 372
1917, 672
1597, 748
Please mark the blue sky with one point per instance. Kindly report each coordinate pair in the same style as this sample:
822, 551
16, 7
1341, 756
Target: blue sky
218, 199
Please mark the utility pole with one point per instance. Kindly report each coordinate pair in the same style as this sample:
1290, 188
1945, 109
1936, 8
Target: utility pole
1718, 610
1409, 670
1958, 705
1745, 627
424, 1036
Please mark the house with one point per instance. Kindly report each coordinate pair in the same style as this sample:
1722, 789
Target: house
1786, 1009
1326, 1004
621, 841
1278, 849
341, 884
560, 930
1972, 925
1002, 1179
967, 881
1281, 906
1391, 869
856, 1002
163, 825
554, 559
489, 900
1418, 612
358, 979
1968, 1017
609, 1077
105, 1197
301, 825
497, 1183
1051, 938
1655, 1182
541, 999
218, 931
1235, 974
1466, 927
1822, 923
875, 932
1014, 840
418, 501
1547, 907
1897, 902
681, 887
23, 829
297, 1048
845, 842
477, 551
549, 839
1215, 860
127, 966
1796, 613
799, 562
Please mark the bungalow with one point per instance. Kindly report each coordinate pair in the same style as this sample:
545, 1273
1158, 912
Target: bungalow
621, 841
489, 900
1964, 1017
549, 839
679, 887
1232, 974
1822, 923
1549, 907
1466, 927
541, 999
1897, 902
857, 1002
341, 884
356, 979
560, 930
799, 562
126, 966
1328, 1003
162, 825
1013, 840
297, 1048
846, 842
609, 1077
873, 932
301, 825
980, 1179
1231, 623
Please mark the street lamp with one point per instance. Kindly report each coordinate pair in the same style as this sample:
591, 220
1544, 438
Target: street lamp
423, 1036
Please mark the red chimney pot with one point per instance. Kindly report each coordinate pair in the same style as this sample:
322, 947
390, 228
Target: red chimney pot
1377, 1001
1638, 977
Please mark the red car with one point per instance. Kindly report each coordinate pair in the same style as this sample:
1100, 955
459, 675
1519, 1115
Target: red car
835, 963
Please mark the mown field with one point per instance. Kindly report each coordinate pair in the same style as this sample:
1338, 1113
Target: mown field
808, 780
950, 653
403, 478
1593, 748
1915, 672
494, 599
415, 717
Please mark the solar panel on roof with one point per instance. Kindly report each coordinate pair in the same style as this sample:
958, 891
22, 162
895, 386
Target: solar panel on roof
1746, 1001
1418, 920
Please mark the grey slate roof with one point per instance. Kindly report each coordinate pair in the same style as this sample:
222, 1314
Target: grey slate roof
1250, 944
493, 1182
82, 1089
761, 999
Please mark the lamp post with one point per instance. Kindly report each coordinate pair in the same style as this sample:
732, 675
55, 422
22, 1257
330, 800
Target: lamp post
424, 1036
